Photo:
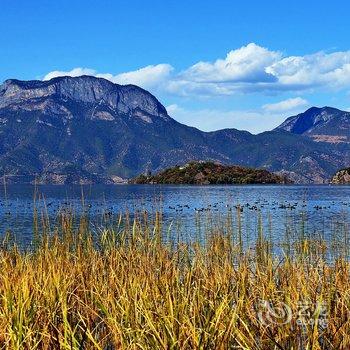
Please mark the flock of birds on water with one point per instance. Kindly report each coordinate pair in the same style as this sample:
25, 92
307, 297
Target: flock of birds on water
257, 206
105, 208
18, 213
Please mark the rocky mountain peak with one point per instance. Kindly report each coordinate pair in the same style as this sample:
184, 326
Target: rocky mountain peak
83, 89
318, 121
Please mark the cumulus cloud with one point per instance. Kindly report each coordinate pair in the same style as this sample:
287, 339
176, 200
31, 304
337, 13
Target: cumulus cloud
253, 68
76, 72
246, 64
146, 77
249, 69
287, 105
313, 70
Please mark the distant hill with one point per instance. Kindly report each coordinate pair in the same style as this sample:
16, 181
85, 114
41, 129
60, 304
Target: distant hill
321, 124
88, 130
341, 177
209, 173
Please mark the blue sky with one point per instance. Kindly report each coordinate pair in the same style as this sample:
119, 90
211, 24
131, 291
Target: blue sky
245, 65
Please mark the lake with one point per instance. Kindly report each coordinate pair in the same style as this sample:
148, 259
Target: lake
187, 210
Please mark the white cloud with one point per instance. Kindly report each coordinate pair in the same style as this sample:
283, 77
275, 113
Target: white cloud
254, 121
173, 109
332, 70
249, 69
246, 64
290, 104
253, 68
189, 88
146, 77
76, 72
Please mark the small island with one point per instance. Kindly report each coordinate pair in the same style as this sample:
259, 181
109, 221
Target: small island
210, 173
341, 177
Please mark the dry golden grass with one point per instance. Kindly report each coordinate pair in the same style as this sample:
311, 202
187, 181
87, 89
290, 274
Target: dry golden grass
126, 289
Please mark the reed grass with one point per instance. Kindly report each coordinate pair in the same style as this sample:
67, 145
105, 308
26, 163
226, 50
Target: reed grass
127, 287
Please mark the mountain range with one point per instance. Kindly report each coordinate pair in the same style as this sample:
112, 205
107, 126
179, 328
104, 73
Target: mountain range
87, 129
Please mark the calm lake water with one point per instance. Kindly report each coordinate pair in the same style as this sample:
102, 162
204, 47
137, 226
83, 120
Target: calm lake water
188, 210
